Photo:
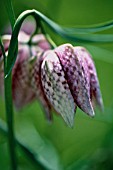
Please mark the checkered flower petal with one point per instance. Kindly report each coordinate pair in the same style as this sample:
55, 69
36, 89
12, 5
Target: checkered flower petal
36, 84
90, 72
56, 87
22, 92
76, 77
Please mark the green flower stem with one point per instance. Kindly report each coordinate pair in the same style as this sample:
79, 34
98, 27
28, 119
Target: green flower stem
8, 94
9, 115
9, 111
48, 38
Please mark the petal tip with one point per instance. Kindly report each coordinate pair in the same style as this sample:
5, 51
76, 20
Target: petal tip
69, 123
91, 112
88, 108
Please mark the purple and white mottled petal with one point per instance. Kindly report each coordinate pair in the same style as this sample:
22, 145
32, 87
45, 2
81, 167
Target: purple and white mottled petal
22, 92
56, 88
36, 84
84, 65
75, 77
95, 92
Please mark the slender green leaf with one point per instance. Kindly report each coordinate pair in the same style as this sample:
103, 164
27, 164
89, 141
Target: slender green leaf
37, 149
10, 11
90, 29
27, 152
42, 149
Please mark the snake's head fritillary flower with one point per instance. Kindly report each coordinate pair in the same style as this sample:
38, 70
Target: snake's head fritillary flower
64, 78
20, 73
23, 92
67, 81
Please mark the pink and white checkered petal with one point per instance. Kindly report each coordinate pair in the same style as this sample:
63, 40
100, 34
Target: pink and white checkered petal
75, 77
36, 85
95, 92
81, 57
56, 88
22, 92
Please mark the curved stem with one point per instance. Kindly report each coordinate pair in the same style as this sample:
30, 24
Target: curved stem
56, 28
48, 38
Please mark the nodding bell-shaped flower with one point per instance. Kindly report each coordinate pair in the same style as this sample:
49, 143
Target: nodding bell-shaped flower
62, 79
69, 80
23, 93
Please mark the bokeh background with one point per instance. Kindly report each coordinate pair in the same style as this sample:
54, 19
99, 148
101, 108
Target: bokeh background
89, 145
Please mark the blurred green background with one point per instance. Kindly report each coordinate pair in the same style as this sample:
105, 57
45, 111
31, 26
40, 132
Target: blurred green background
89, 146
